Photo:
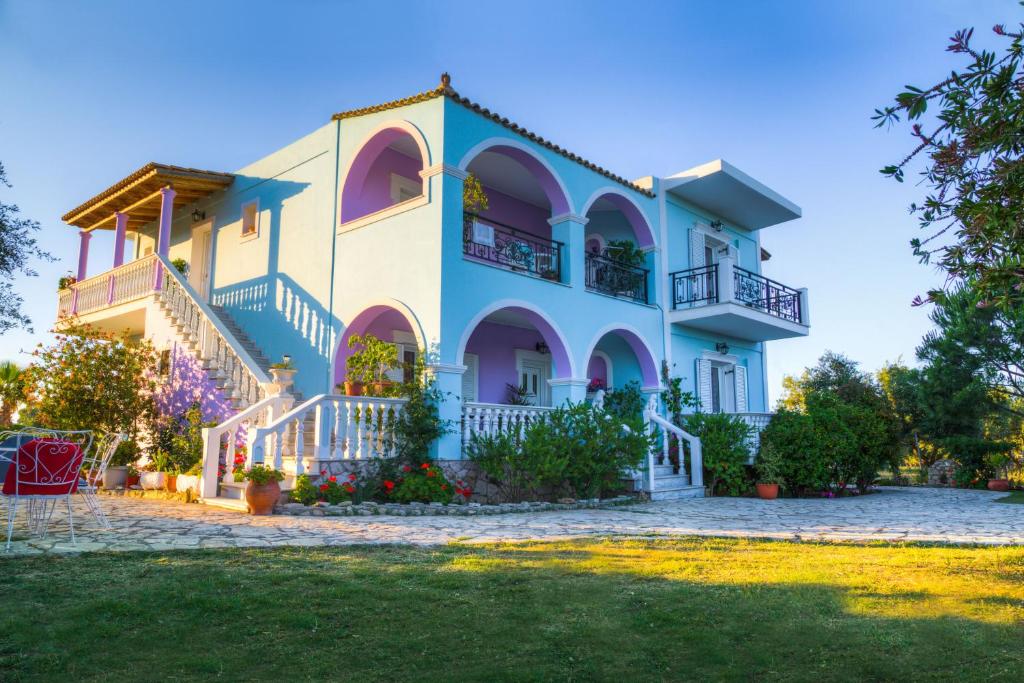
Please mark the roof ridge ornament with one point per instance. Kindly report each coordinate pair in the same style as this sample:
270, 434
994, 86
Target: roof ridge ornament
446, 81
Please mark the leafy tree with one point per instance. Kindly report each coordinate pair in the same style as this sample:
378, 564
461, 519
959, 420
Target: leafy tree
901, 387
92, 380
968, 130
12, 390
17, 248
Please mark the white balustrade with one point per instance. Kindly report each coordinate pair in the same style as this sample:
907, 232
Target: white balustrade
757, 421
125, 283
494, 418
342, 428
667, 431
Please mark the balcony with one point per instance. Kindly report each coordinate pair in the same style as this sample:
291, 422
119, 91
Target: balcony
504, 246
722, 298
114, 300
615, 278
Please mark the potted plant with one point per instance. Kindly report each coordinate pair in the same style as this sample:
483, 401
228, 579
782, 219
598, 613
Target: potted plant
122, 461
369, 364
768, 473
263, 489
283, 373
189, 480
1000, 462
549, 274
66, 281
180, 265
624, 251
474, 199
132, 478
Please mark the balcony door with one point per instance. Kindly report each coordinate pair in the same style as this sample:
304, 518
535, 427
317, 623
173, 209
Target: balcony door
534, 371
721, 384
201, 264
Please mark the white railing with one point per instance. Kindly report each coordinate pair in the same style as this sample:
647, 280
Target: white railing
125, 283
666, 431
224, 355
221, 442
494, 418
344, 428
757, 422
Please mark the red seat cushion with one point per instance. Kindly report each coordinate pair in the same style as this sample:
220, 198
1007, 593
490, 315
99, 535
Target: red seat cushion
44, 467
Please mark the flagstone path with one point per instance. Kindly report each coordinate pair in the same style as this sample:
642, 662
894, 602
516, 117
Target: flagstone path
893, 514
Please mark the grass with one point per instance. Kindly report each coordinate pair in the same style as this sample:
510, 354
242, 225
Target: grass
584, 610
1014, 497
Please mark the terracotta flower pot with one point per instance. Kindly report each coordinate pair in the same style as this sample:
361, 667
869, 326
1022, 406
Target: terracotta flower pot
767, 491
353, 388
379, 388
998, 484
171, 482
262, 497
131, 480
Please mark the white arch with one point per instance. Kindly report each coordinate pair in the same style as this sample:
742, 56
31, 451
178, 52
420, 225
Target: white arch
513, 303
483, 146
621, 327
400, 306
608, 189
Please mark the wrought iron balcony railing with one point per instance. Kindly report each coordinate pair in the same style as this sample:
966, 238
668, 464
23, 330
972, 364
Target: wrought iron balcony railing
765, 294
721, 282
695, 286
609, 276
494, 242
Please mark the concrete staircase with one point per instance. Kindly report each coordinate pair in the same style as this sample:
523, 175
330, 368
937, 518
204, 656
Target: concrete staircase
671, 486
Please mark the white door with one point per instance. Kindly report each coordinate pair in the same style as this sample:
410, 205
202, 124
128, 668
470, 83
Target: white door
202, 259
533, 379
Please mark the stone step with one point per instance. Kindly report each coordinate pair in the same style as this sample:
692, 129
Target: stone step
679, 493
671, 482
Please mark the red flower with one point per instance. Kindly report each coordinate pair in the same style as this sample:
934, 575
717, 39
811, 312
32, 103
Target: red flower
352, 477
349, 488
324, 487
323, 473
430, 473
425, 466
332, 478
444, 487
388, 484
406, 468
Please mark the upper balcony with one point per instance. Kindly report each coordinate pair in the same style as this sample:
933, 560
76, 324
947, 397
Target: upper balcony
723, 298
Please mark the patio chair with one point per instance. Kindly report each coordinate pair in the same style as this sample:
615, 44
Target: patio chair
42, 471
94, 466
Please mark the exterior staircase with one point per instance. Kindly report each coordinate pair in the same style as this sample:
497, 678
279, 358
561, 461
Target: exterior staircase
671, 486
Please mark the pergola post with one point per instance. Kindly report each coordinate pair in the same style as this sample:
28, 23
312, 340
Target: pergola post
120, 232
83, 254
163, 243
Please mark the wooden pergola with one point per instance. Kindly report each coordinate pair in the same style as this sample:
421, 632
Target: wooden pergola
139, 196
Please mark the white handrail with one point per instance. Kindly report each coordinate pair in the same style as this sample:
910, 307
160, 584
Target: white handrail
668, 430
263, 411
217, 343
494, 418
346, 428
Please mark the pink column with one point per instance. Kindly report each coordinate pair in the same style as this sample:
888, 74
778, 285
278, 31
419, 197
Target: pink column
163, 242
83, 254
120, 232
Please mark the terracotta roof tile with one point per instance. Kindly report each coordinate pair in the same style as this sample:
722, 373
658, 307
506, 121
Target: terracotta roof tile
445, 90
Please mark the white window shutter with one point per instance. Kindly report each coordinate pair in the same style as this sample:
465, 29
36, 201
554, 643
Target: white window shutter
741, 388
696, 248
469, 377
703, 385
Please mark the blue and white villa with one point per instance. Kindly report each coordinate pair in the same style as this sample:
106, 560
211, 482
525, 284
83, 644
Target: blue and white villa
571, 279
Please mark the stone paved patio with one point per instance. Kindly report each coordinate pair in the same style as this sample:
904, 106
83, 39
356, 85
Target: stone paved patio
894, 514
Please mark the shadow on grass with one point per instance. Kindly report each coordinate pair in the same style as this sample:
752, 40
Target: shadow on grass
581, 610
1017, 497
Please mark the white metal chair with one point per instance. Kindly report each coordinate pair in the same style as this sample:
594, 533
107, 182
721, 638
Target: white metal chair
42, 471
94, 467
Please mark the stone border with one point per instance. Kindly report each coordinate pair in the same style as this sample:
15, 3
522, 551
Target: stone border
347, 509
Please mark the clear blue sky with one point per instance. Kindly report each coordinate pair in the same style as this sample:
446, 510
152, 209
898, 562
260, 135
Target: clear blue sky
783, 90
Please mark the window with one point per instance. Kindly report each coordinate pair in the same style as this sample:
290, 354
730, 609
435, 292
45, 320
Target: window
403, 189
250, 218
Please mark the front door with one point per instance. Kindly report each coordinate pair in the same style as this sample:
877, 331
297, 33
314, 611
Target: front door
202, 259
533, 380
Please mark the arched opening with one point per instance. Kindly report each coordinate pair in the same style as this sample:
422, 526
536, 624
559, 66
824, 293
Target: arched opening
387, 324
385, 172
619, 357
512, 228
618, 248
510, 355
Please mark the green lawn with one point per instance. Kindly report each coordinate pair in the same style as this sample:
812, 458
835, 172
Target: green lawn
585, 610
1014, 497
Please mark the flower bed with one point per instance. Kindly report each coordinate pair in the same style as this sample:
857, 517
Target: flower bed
348, 509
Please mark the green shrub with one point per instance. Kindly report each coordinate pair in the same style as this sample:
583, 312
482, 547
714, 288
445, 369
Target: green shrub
723, 440
626, 403
517, 472
423, 484
803, 463
304, 491
974, 458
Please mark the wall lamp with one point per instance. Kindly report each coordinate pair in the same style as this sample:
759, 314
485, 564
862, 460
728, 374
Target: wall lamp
542, 347
721, 347
198, 215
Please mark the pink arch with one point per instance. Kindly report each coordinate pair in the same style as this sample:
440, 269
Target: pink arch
359, 170
648, 366
561, 362
548, 182
641, 228
362, 324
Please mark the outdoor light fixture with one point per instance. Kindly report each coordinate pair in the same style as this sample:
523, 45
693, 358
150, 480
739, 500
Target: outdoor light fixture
717, 225
542, 348
198, 215
721, 347
286, 359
